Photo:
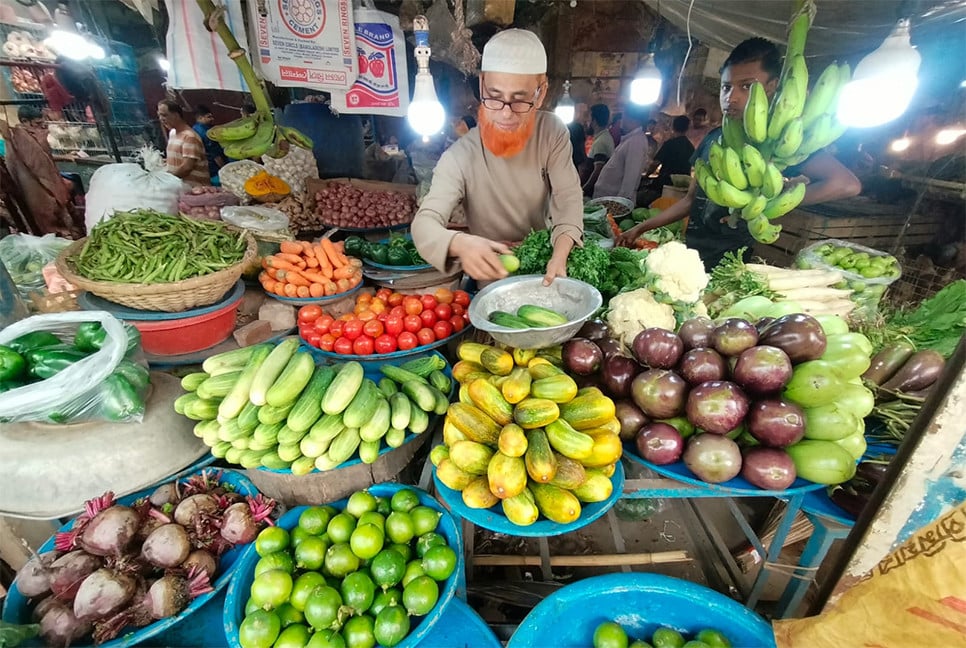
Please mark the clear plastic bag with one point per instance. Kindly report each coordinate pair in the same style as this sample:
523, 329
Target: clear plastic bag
25, 257
109, 384
867, 291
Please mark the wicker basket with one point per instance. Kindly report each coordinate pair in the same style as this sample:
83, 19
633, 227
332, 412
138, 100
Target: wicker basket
167, 297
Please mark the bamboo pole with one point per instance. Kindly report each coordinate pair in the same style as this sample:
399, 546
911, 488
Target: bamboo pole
602, 560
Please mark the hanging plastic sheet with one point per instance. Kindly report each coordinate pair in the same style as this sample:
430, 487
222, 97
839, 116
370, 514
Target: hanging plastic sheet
198, 58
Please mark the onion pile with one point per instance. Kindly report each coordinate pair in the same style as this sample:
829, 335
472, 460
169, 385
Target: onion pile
343, 205
128, 566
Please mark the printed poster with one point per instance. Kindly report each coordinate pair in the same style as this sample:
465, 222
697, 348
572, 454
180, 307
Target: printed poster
382, 87
305, 43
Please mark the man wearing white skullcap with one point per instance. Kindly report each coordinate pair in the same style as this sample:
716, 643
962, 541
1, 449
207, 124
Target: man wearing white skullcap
513, 173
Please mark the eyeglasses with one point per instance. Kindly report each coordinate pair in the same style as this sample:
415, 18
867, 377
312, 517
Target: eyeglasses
519, 107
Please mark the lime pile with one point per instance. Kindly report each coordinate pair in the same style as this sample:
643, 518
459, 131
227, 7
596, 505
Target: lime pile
612, 635
347, 579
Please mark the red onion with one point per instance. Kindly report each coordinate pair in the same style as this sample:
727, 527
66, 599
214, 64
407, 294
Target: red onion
111, 531
103, 593
34, 577
167, 546
69, 571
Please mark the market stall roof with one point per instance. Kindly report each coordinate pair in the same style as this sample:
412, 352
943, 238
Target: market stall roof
841, 29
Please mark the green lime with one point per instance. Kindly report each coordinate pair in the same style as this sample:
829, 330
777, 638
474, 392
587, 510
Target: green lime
373, 518
713, 638
640, 643
392, 626
425, 519
322, 607
404, 500
366, 541
387, 568
399, 527
427, 541
303, 587
510, 262
272, 589
420, 595
251, 606
403, 550
326, 639
695, 644
310, 554
314, 520
358, 591
439, 562
270, 540
340, 528
383, 506
610, 635
413, 571
340, 561
259, 629
298, 534
667, 638
383, 599
358, 632
360, 502
289, 615
294, 636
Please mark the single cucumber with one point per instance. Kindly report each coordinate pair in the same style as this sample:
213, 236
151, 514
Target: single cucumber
210, 434
190, 382
218, 386
289, 452
400, 375
254, 444
271, 369
344, 445
288, 436
441, 381
241, 442
423, 367
272, 461
376, 426
308, 408
229, 431
328, 427
232, 360
419, 422
293, 379
303, 466
270, 414
395, 437
421, 394
363, 405
220, 450
201, 410
387, 387
369, 451
313, 447
442, 401
181, 401
251, 459
267, 433
401, 408
508, 320
343, 388
233, 454
233, 403
248, 417
540, 316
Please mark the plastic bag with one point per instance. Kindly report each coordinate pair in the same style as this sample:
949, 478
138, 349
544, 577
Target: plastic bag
25, 257
109, 384
125, 187
866, 291
258, 220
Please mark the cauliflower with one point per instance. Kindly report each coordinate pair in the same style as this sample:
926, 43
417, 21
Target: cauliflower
633, 311
676, 271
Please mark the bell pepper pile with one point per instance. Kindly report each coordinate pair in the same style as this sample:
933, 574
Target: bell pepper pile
398, 251
40, 355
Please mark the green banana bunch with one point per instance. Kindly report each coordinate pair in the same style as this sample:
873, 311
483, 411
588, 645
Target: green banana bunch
797, 33
822, 97
296, 137
256, 145
754, 208
773, 182
763, 231
733, 171
788, 106
716, 159
753, 165
733, 133
790, 140
234, 131
784, 202
756, 115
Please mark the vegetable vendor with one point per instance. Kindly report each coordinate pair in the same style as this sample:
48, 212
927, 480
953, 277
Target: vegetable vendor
755, 59
513, 173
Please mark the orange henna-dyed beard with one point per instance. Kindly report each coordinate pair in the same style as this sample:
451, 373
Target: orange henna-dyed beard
501, 142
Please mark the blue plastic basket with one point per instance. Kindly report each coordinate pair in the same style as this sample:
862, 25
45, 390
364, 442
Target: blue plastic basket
17, 608
460, 627
640, 603
321, 301
240, 586
493, 518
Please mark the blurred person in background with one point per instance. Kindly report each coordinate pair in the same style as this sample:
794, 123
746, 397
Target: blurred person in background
621, 176
185, 156
204, 120
700, 127
577, 138
615, 127
603, 146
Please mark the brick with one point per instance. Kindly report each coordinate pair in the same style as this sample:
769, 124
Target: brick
281, 316
253, 333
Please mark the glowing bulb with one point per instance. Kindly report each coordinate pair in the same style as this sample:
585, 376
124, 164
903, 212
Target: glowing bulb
425, 114
164, 64
900, 145
884, 82
949, 135
73, 45
646, 86
565, 107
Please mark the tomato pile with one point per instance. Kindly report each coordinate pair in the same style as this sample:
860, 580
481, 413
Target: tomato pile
386, 321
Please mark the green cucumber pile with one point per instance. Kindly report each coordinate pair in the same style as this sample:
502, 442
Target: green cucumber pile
272, 407
528, 316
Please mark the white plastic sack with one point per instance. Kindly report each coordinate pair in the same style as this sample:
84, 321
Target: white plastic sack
256, 219
123, 187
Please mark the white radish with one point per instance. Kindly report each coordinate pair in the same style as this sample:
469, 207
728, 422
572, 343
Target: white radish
819, 279
820, 294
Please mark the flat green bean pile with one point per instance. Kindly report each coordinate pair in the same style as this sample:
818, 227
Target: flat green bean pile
145, 246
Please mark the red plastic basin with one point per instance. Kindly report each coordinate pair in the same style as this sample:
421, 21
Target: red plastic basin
189, 334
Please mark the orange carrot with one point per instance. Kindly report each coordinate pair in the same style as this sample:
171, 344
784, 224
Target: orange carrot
307, 249
355, 280
296, 278
269, 285
317, 290
264, 262
330, 288
291, 247
303, 291
294, 259
324, 262
314, 277
311, 261
337, 259
344, 272
340, 246
280, 288
343, 285
272, 272
280, 264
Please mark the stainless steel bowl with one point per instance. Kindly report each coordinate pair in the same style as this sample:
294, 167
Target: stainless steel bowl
574, 299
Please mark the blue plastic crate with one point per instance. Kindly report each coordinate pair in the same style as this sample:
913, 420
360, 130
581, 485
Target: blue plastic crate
460, 627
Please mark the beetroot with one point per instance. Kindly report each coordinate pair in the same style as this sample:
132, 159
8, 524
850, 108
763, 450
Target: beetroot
59, 626
238, 525
69, 571
172, 593
193, 507
111, 531
165, 494
167, 546
33, 579
103, 593
201, 560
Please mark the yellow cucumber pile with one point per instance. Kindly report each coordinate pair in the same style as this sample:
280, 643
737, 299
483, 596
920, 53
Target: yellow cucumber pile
272, 407
522, 434
744, 168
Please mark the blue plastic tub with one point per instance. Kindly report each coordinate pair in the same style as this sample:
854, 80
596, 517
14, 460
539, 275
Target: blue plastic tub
640, 603
460, 627
240, 586
321, 301
371, 362
17, 608
493, 518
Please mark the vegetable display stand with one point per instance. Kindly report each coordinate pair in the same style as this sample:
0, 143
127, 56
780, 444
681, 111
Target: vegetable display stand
240, 587
47, 468
639, 603
17, 610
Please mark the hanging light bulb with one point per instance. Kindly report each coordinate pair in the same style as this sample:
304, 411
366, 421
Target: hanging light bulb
565, 107
900, 145
646, 86
884, 82
947, 136
425, 114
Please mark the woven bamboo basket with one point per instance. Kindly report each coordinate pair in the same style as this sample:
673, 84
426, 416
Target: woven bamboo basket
167, 297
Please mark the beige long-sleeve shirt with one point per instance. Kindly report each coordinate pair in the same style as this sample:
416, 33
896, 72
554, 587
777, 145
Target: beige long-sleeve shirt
504, 198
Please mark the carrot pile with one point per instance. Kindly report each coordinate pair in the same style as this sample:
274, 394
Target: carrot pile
303, 269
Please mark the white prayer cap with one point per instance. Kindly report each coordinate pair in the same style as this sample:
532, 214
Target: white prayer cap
515, 51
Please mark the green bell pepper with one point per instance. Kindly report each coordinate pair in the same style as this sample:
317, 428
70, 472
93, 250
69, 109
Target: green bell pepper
379, 253
399, 256
135, 374
12, 364
119, 400
355, 246
90, 337
35, 340
45, 362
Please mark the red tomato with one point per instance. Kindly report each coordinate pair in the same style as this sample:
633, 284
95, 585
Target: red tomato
406, 341
323, 323
395, 299
394, 325
466, 317
327, 342
353, 329
385, 343
461, 297
443, 311
384, 294
367, 315
429, 302
336, 328
305, 329
373, 328
413, 323
442, 329
343, 345
426, 336
444, 295
398, 311
363, 345
314, 339
382, 317
456, 321
310, 313
428, 317
458, 309
412, 305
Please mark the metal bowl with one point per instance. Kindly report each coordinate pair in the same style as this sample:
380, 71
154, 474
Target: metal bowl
574, 299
